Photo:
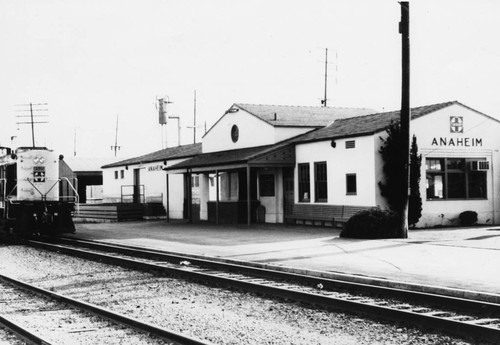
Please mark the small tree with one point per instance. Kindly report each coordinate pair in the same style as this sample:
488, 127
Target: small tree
393, 156
415, 200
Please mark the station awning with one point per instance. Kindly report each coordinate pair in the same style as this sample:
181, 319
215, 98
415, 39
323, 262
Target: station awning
279, 155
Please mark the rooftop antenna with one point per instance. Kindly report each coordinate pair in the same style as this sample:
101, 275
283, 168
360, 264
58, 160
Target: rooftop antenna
194, 119
323, 101
74, 144
32, 117
116, 147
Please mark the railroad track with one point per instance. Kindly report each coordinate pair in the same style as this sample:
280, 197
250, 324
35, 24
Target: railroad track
40, 316
457, 316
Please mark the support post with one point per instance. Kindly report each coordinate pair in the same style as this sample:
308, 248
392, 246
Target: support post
249, 206
217, 197
168, 199
190, 196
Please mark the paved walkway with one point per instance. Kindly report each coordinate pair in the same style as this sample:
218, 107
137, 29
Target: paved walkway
432, 260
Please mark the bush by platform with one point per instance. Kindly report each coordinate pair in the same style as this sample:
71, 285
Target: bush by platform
468, 218
371, 224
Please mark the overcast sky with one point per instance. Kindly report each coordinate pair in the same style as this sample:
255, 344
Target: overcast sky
92, 61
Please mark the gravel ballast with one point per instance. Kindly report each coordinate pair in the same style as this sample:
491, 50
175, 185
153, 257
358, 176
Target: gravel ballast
218, 315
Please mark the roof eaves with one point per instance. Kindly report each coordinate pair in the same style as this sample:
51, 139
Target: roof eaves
338, 137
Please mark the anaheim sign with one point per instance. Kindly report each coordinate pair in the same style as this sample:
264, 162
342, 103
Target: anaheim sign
465, 142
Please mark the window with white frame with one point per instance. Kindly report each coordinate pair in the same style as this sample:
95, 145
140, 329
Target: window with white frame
304, 182
320, 182
456, 178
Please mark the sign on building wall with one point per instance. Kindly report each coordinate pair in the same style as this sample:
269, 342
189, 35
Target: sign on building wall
457, 127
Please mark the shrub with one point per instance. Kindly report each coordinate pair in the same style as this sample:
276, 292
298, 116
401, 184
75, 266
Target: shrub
373, 223
468, 218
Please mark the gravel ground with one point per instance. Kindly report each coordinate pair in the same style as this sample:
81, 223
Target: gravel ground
8, 338
214, 314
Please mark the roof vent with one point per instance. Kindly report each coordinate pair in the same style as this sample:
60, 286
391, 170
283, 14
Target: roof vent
350, 144
275, 116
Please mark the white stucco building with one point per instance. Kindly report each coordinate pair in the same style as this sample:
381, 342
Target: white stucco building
142, 179
314, 164
460, 161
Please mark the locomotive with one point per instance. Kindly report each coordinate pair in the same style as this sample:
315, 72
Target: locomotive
30, 201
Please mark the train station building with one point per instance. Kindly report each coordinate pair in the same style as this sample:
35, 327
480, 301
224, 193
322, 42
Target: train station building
316, 165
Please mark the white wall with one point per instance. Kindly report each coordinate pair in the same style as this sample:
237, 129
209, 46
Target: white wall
283, 133
154, 180
252, 132
478, 140
341, 161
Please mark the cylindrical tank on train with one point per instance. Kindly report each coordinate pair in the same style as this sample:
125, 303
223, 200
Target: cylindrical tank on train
37, 175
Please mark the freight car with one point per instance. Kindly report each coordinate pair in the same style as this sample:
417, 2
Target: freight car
30, 202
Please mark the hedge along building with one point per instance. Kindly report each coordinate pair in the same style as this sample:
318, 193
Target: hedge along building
340, 165
142, 180
248, 160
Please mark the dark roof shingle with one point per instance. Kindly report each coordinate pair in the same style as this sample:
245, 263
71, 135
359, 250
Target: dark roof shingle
366, 125
300, 116
184, 151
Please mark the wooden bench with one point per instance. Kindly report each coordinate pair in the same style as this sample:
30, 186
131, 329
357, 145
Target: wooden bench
323, 215
347, 213
311, 214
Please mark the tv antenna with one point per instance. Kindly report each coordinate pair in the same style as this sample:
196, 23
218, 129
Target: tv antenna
325, 98
33, 107
116, 147
194, 126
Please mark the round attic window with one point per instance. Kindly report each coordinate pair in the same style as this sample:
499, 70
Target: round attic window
235, 133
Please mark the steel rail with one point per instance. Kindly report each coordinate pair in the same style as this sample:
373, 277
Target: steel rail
420, 317
22, 332
327, 283
108, 314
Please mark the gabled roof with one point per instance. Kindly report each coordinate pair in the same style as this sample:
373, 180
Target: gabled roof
178, 152
300, 116
370, 124
295, 116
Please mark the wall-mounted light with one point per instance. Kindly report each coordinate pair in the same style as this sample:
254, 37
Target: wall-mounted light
126, 167
333, 143
231, 110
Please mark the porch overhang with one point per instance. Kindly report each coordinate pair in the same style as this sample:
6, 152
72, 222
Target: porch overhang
270, 156
259, 157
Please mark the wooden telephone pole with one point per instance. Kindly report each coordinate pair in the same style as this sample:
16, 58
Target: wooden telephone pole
33, 107
404, 30
115, 147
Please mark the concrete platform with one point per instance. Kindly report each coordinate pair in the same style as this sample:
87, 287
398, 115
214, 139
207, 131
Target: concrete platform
433, 260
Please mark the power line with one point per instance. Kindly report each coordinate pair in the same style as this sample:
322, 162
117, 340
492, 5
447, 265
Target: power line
32, 117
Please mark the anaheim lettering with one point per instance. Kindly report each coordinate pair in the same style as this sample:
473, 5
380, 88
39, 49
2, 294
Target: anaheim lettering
467, 142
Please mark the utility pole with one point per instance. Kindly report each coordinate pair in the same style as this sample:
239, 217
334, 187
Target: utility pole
116, 147
324, 100
32, 117
194, 119
74, 144
404, 30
